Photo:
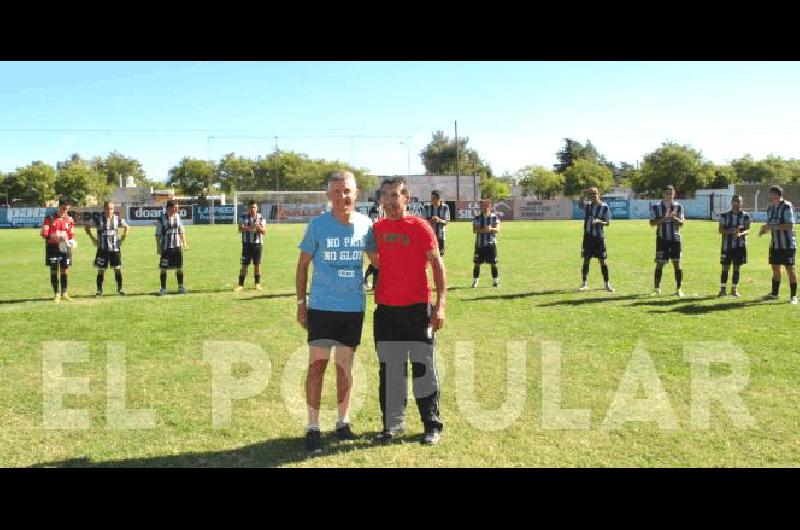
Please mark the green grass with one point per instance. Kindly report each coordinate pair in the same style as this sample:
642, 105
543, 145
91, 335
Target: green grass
540, 269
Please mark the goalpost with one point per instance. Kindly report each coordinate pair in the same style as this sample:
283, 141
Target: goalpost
283, 206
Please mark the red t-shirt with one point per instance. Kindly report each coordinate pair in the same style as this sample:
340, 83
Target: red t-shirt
403, 246
57, 226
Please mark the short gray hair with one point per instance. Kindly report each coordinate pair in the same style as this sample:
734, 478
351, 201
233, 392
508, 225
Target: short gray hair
337, 176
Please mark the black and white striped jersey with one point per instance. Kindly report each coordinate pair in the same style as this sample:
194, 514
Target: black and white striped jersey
246, 222
442, 212
108, 231
168, 230
669, 230
485, 221
783, 213
595, 211
729, 220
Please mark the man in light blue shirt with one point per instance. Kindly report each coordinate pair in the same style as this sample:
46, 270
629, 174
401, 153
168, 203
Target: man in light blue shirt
335, 242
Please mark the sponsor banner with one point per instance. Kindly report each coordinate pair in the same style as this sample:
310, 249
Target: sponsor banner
525, 209
620, 209
147, 215
222, 214
291, 213
24, 217
88, 214
692, 208
467, 210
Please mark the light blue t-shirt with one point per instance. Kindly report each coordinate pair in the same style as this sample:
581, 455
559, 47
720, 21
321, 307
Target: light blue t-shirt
337, 283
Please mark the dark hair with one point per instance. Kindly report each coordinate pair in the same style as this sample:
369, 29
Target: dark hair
170, 203
251, 202
670, 187
436, 194
736, 198
776, 190
395, 181
64, 200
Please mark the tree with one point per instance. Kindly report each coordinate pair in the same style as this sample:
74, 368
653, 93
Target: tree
583, 174
540, 181
116, 167
724, 175
679, 165
439, 157
573, 150
495, 189
33, 184
771, 170
194, 177
82, 183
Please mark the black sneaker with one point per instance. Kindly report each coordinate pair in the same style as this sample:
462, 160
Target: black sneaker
121, 292
431, 437
99, 294
313, 442
387, 437
344, 434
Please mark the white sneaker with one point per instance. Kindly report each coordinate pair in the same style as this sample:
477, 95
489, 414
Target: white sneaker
656, 291
57, 298
258, 287
474, 284
584, 287
162, 292
238, 289
609, 288
793, 301
679, 293
735, 293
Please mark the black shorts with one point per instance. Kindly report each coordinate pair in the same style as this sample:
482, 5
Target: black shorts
108, 258
171, 258
487, 254
737, 256
782, 256
593, 247
441, 246
402, 323
251, 252
667, 250
334, 328
53, 256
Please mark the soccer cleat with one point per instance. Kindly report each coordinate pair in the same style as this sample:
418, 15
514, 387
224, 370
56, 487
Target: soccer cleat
656, 291
495, 283
770, 296
431, 437
238, 289
121, 292
387, 437
57, 298
258, 287
679, 293
65, 296
723, 292
609, 288
181, 290
98, 294
474, 284
344, 434
735, 292
313, 442
162, 292
793, 301
584, 287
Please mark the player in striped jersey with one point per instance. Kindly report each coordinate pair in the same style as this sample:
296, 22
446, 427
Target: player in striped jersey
252, 228
734, 225
667, 217
783, 247
438, 213
597, 215
485, 227
170, 244
108, 242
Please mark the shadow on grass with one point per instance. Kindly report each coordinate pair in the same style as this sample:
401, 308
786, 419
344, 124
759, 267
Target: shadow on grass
268, 296
584, 301
270, 453
671, 300
514, 296
695, 309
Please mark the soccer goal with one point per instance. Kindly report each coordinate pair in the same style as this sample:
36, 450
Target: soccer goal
283, 206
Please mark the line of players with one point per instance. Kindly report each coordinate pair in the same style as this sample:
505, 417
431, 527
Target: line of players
667, 217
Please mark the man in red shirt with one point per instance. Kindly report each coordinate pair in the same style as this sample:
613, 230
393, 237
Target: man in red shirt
58, 232
404, 319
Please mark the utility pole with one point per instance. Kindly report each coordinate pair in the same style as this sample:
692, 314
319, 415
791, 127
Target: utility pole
458, 173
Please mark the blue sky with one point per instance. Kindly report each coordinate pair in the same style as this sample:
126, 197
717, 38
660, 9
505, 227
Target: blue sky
514, 113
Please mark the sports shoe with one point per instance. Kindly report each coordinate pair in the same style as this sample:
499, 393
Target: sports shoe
344, 433
387, 437
793, 300
258, 287
65, 296
584, 287
609, 288
162, 292
238, 289
313, 442
723, 292
431, 437
679, 293
57, 298
495, 283
121, 292
474, 284
656, 291
98, 294
181, 290
770, 296
735, 292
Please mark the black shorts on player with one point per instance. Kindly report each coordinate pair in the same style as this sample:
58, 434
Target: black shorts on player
782, 256
251, 253
104, 259
334, 328
487, 254
171, 258
667, 250
593, 247
736, 256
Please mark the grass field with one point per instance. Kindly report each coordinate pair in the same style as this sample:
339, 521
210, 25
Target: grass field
537, 303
